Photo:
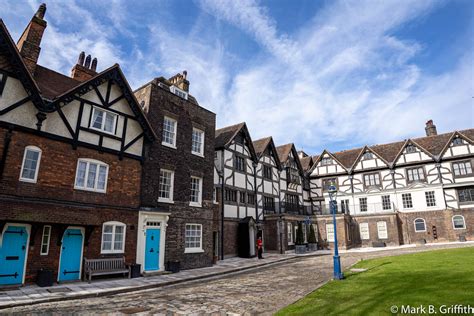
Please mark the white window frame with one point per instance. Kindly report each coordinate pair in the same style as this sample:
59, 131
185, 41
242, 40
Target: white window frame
170, 199
326, 161
384, 235
199, 202
193, 249
102, 129
364, 236
330, 234
114, 225
432, 198
173, 145
179, 92
98, 163
463, 219
201, 153
289, 233
424, 223
43, 243
368, 155
411, 201
34, 149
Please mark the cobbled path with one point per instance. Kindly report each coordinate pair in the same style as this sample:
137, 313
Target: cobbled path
262, 291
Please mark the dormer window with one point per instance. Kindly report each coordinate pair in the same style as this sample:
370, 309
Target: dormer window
180, 93
326, 161
457, 141
103, 121
368, 155
410, 149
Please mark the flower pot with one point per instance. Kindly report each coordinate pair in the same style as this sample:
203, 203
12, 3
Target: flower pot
299, 249
312, 247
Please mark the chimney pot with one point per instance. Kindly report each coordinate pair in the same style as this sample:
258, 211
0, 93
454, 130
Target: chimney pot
430, 128
82, 56
41, 11
94, 64
185, 74
87, 64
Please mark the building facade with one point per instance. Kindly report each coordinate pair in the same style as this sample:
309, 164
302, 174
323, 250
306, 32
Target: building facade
178, 178
71, 151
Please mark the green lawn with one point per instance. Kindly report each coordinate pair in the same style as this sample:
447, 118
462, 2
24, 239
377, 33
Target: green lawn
440, 277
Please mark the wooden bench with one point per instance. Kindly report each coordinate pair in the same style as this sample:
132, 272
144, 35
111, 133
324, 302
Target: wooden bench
105, 266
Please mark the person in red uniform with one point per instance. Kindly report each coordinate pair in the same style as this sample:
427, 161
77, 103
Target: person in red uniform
260, 247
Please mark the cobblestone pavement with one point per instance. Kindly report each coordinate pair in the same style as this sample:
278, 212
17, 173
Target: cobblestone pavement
261, 291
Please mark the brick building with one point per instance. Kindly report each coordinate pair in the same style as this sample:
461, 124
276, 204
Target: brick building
71, 150
177, 185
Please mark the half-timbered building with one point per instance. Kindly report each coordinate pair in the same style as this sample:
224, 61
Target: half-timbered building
416, 190
71, 150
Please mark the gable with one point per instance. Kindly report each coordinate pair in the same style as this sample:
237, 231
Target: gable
326, 164
368, 159
412, 152
458, 145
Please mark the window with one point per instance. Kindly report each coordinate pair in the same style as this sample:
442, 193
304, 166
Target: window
193, 238
363, 204
457, 141
407, 201
289, 231
292, 203
165, 188
30, 165
382, 230
113, 237
430, 198
386, 204
242, 199
462, 168
368, 155
458, 222
466, 195
420, 225
251, 198
372, 179
180, 93
416, 174
91, 175
197, 146
196, 191
292, 175
239, 163
326, 161
364, 231
230, 195
267, 172
45, 240
104, 121
345, 206
268, 203
410, 149
330, 232
327, 182
169, 132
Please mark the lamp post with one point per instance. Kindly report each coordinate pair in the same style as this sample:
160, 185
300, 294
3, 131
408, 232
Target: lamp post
332, 190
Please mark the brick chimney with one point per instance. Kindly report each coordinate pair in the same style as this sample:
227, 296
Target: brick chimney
430, 128
30, 40
84, 69
180, 81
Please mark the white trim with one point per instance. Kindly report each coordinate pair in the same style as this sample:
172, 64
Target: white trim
39, 151
289, 233
94, 108
199, 202
27, 250
200, 154
61, 250
48, 242
143, 218
175, 89
193, 249
173, 145
88, 162
170, 199
114, 224
366, 225
464, 220
424, 223
386, 230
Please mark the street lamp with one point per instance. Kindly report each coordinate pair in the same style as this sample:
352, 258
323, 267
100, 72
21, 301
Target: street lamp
332, 190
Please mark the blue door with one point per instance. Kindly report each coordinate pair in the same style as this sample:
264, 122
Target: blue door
152, 249
71, 253
13, 255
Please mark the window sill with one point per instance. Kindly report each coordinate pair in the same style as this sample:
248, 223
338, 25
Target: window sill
109, 252
102, 131
168, 145
90, 190
160, 200
193, 250
28, 180
195, 204
459, 228
197, 154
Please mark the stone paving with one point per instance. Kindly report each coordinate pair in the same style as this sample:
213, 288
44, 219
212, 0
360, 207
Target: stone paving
258, 291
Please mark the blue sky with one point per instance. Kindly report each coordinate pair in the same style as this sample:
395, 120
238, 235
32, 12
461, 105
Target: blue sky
321, 74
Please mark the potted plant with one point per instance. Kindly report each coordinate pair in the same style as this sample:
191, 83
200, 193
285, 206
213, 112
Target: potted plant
312, 244
300, 247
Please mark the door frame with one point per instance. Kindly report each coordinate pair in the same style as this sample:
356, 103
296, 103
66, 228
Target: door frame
27, 250
143, 218
61, 251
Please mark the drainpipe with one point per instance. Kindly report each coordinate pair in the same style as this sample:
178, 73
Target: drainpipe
255, 191
6, 145
279, 212
222, 177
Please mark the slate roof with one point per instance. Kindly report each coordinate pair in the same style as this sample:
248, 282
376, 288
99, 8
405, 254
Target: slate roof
51, 83
283, 151
306, 162
225, 135
261, 144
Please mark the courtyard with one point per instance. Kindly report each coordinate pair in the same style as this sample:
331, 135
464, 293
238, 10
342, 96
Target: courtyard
267, 290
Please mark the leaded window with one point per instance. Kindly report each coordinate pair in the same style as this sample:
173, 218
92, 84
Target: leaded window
462, 168
407, 201
416, 174
372, 179
430, 198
